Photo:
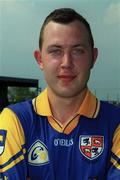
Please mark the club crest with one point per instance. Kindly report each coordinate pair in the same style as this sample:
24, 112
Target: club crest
2, 140
91, 146
38, 154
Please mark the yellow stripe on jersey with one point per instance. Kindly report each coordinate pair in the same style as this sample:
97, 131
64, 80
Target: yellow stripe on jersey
114, 162
13, 163
5, 178
1, 138
24, 151
14, 139
116, 142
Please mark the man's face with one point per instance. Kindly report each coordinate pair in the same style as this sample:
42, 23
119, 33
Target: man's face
66, 58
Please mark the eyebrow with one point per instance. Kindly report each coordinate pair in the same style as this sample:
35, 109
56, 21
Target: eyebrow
53, 46
79, 45
60, 46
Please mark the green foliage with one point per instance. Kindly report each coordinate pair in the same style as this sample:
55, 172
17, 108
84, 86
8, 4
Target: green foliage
17, 94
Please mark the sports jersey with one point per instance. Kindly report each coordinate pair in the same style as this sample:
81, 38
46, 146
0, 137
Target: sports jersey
34, 144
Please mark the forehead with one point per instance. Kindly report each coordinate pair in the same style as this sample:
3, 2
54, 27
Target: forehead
74, 31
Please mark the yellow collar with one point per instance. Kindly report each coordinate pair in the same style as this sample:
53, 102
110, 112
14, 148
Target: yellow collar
89, 106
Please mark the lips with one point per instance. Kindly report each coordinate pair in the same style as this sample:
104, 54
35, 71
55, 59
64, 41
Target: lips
66, 77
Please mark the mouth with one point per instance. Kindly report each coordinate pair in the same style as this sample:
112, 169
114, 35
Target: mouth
66, 78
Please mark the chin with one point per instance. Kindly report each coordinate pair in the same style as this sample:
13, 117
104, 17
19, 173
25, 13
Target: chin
66, 93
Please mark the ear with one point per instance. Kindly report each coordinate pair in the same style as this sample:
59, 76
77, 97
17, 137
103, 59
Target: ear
37, 56
95, 55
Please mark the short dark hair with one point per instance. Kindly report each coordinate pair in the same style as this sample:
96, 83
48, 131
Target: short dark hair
65, 16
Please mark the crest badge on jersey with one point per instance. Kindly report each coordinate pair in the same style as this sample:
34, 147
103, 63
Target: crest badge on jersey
2, 140
38, 154
91, 146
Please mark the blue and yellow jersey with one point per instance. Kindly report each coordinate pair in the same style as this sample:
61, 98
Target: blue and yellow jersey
34, 144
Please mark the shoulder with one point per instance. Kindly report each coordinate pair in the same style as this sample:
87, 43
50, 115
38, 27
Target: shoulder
19, 114
10, 125
24, 111
109, 114
109, 108
8, 118
15, 114
24, 106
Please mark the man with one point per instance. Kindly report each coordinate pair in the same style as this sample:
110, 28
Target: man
66, 132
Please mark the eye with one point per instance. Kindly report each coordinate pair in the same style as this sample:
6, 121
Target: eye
55, 52
78, 51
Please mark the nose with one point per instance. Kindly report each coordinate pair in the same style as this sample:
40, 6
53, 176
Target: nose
67, 61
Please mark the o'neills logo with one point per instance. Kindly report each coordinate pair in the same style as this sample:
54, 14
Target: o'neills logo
91, 146
38, 154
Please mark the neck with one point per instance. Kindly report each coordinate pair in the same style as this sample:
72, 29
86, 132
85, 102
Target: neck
64, 109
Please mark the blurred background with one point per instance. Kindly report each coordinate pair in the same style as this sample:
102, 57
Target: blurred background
20, 23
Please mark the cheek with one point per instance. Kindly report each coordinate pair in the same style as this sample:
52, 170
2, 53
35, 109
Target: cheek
50, 64
49, 68
84, 66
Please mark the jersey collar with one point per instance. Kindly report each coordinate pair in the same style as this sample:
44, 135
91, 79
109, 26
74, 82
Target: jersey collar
88, 108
